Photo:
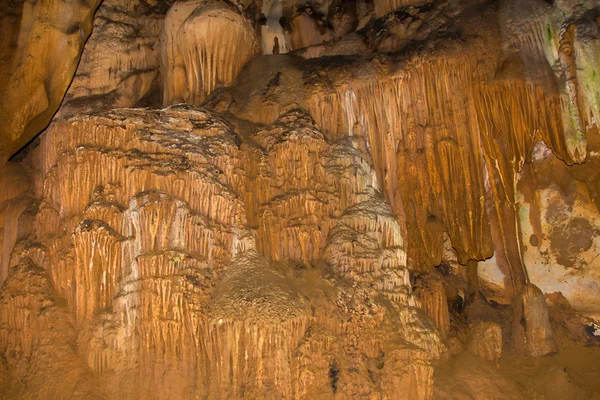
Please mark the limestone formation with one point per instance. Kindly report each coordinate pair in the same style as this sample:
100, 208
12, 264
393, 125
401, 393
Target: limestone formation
120, 64
486, 340
15, 199
204, 44
44, 40
304, 200
146, 245
532, 332
432, 298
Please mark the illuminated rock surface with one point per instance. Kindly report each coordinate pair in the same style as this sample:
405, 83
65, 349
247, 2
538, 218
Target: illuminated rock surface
42, 44
395, 200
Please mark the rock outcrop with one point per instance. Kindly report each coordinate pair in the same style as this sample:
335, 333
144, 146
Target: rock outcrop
486, 340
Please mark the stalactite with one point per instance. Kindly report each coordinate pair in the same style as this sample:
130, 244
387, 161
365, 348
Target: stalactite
97, 269
264, 249
575, 127
204, 46
429, 121
135, 252
404, 140
295, 200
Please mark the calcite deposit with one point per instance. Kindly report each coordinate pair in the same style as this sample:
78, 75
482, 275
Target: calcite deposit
304, 200
42, 44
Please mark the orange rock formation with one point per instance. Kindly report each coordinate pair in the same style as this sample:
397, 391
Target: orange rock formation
396, 200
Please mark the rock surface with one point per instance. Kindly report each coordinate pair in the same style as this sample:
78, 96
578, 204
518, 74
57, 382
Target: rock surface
120, 64
532, 330
486, 340
140, 228
45, 40
331, 199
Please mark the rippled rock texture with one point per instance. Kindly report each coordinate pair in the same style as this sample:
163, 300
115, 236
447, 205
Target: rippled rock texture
322, 200
144, 230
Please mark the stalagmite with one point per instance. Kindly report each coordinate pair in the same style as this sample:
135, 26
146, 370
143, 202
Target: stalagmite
274, 40
532, 332
256, 322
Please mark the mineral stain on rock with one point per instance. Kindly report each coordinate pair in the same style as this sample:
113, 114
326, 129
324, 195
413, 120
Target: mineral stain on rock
569, 240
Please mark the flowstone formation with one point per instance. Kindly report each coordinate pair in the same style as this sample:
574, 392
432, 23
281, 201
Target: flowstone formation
152, 250
321, 200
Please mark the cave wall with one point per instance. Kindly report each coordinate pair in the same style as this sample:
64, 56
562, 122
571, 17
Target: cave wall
388, 188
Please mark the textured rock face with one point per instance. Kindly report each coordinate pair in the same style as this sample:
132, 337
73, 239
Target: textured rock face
43, 44
432, 298
532, 330
121, 60
204, 45
486, 340
140, 228
395, 200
